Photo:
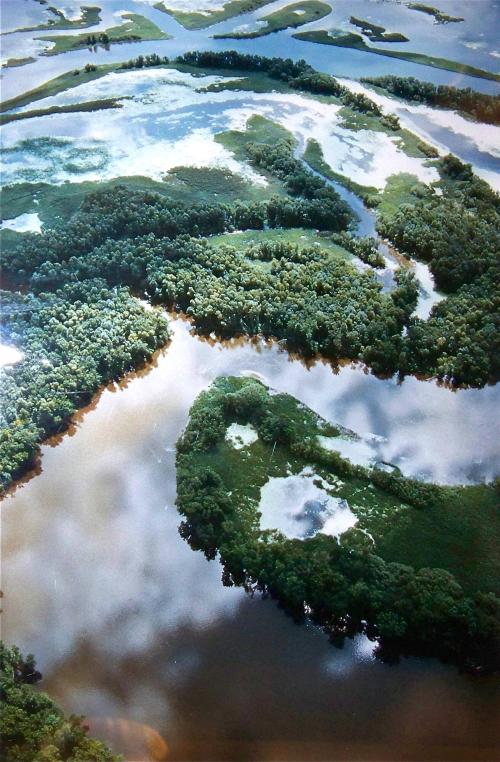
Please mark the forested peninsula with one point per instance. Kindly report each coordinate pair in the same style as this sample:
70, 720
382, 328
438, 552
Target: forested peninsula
379, 577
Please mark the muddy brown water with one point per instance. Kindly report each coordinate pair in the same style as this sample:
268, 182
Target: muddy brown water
136, 631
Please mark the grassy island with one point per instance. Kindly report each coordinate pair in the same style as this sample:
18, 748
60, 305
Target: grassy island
439, 16
289, 17
90, 16
12, 63
411, 564
198, 20
377, 33
341, 39
135, 28
33, 727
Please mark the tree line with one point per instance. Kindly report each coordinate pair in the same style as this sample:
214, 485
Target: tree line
298, 74
481, 106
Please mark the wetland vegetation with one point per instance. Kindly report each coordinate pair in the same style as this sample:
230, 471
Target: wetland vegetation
200, 20
90, 16
439, 16
134, 28
415, 569
288, 17
356, 581
311, 298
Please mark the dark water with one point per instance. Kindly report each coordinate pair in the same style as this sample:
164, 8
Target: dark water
135, 630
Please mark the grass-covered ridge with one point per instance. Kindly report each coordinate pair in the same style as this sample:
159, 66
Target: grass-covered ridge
32, 727
358, 581
341, 39
288, 17
135, 28
201, 20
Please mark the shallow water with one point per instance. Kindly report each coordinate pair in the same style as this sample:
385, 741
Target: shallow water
131, 626
164, 122
301, 505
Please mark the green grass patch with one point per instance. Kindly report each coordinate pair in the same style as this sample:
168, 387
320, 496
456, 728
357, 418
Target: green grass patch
253, 82
258, 130
195, 20
401, 188
289, 17
297, 236
135, 28
215, 185
461, 534
355, 41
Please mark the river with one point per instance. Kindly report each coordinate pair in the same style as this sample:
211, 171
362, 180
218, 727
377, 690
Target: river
135, 630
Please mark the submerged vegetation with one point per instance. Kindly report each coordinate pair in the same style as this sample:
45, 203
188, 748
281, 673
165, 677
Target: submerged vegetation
355, 582
481, 106
33, 727
288, 17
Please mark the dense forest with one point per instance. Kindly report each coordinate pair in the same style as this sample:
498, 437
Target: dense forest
344, 585
483, 107
32, 727
73, 340
458, 234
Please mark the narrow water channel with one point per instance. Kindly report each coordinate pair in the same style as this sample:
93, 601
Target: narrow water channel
136, 631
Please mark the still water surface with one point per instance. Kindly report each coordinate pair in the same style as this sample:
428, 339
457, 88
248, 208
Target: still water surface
135, 630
